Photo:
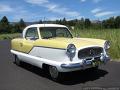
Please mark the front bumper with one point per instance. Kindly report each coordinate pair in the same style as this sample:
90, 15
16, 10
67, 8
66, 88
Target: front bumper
85, 63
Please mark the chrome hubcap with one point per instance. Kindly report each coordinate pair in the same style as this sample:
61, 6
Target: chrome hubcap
53, 72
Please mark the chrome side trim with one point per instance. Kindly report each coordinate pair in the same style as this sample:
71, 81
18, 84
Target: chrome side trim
71, 66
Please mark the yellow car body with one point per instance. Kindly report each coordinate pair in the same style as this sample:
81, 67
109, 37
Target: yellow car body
61, 43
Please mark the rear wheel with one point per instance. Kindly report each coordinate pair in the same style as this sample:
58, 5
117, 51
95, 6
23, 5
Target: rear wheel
17, 61
55, 74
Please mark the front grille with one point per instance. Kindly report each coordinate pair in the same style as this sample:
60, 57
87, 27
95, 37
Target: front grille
90, 52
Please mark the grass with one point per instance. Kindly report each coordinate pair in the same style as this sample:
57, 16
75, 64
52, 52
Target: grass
113, 35
9, 36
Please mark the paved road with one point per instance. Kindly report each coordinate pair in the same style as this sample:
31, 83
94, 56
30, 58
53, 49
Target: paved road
28, 77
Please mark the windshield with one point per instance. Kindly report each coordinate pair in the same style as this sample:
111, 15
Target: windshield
53, 32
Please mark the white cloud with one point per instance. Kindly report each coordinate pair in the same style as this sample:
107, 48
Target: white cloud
63, 11
53, 18
105, 13
83, 0
96, 10
5, 8
53, 7
94, 1
38, 2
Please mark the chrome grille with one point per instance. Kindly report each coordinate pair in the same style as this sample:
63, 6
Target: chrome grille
90, 52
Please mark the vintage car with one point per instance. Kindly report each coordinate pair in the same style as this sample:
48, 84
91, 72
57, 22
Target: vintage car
53, 48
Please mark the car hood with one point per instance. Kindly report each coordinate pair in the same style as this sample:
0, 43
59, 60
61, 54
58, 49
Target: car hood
64, 42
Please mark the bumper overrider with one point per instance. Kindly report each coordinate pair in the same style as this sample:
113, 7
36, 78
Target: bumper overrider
92, 62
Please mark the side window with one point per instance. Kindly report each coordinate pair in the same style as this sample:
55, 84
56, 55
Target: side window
32, 34
62, 33
45, 33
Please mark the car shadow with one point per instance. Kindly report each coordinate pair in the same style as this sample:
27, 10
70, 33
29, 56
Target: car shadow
36, 70
83, 76
70, 78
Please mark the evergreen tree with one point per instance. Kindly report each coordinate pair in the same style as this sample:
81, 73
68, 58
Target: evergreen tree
57, 22
111, 22
16, 28
82, 23
64, 22
40, 22
4, 21
4, 25
117, 22
87, 23
21, 24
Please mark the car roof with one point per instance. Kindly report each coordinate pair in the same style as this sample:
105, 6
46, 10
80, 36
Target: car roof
46, 25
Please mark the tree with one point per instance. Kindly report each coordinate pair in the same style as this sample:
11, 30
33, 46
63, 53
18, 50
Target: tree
16, 28
4, 25
57, 22
82, 26
40, 22
104, 24
117, 22
77, 24
4, 20
64, 22
87, 23
21, 24
109, 23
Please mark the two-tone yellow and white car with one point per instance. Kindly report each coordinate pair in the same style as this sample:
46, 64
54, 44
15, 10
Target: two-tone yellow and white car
52, 47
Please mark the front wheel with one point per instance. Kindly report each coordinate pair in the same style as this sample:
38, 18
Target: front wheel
55, 74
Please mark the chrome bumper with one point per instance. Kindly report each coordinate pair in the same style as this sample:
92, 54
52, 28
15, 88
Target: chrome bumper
85, 63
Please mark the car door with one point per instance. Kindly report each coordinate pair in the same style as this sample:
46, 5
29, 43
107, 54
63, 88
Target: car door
30, 37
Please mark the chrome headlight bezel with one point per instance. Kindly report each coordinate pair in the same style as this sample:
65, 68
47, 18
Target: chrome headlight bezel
71, 51
107, 45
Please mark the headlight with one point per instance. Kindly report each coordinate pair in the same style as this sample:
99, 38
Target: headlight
107, 45
71, 50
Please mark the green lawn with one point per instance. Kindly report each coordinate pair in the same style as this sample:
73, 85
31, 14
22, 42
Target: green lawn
113, 35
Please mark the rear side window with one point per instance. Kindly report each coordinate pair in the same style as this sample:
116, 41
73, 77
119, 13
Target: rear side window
32, 34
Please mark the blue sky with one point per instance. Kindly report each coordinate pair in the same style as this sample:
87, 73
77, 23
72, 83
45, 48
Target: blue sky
34, 10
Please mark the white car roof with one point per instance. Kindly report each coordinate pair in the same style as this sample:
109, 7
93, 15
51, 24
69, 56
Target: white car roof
41, 25
46, 25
